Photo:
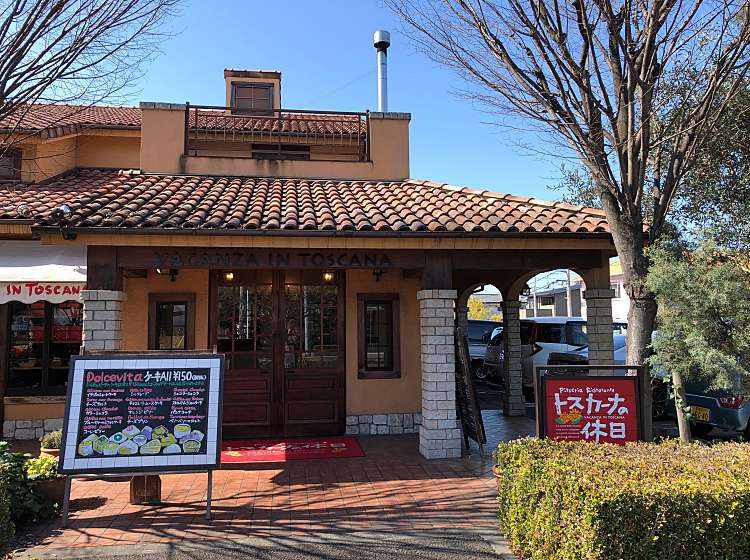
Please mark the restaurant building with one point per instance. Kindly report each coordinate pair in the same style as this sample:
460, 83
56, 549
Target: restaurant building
292, 241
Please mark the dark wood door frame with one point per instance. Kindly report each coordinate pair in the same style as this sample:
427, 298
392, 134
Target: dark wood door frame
279, 372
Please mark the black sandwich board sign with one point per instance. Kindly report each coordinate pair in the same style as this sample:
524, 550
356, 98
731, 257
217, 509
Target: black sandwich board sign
467, 400
141, 413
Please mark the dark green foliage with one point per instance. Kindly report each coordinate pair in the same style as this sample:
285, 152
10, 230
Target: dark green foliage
586, 501
7, 528
26, 505
704, 314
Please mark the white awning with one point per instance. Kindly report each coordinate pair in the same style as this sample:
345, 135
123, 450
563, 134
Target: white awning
32, 272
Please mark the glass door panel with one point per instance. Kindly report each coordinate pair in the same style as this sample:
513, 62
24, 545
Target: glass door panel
311, 323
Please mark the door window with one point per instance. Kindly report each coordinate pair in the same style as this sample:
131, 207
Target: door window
311, 324
245, 326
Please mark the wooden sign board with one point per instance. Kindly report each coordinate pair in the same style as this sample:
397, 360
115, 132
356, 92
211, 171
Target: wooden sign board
467, 401
600, 409
142, 413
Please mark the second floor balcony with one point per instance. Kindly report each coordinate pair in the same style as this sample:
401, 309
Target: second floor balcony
277, 134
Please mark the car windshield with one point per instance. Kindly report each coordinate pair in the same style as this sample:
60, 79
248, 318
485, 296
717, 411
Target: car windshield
479, 331
497, 340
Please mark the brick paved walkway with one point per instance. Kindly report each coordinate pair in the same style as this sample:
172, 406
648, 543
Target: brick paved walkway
391, 489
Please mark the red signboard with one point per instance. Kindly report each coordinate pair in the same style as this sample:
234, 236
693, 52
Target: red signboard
603, 409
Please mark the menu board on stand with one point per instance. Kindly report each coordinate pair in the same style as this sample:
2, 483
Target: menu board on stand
142, 413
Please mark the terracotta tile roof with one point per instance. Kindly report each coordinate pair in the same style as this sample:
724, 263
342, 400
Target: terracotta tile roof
289, 122
58, 120
107, 199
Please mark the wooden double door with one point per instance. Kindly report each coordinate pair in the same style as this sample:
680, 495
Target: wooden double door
282, 333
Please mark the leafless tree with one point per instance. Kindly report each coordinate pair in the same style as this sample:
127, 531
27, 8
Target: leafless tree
73, 51
598, 74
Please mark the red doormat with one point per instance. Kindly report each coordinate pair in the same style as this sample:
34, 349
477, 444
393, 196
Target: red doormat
290, 449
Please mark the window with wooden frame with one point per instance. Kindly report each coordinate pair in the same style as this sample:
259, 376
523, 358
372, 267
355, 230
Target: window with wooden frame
40, 339
250, 97
171, 322
379, 355
10, 164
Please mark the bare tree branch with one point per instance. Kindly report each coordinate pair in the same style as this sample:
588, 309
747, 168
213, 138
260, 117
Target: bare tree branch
597, 73
80, 52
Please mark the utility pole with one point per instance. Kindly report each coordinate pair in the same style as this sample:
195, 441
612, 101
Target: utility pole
567, 296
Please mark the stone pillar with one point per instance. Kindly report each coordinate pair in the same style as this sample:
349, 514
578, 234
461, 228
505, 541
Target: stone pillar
102, 323
512, 403
599, 324
439, 434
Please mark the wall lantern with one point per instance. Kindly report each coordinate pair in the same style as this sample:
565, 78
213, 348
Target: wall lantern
228, 276
328, 276
377, 273
172, 272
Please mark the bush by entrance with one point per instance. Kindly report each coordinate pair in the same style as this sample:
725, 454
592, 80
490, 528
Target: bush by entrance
587, 501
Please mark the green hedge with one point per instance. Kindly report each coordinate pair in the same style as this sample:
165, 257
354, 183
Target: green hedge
7, 528
575, 500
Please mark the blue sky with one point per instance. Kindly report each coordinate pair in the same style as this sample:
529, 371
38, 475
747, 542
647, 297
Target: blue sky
324, 50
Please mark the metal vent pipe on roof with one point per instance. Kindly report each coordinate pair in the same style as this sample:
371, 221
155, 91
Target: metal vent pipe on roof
382, 41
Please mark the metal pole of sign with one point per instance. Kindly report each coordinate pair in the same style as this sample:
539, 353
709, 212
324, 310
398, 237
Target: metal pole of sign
208, 493
66, 501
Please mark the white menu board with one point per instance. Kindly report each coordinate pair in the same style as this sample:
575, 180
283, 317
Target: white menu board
146, 412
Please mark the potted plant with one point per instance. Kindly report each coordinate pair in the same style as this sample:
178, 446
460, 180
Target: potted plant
42, 472
50, 443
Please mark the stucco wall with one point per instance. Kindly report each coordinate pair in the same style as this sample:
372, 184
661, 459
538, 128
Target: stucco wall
28, 409
135, 309
46, 159
379, 396
109, 151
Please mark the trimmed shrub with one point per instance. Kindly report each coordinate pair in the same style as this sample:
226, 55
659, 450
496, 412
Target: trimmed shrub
51, 440
7, 528
587, 501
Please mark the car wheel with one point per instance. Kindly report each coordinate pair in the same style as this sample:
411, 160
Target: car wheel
659, 398
480, 372
700, 430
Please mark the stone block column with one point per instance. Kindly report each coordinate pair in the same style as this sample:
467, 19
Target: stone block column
512, 402
102, 321
599, 324
439, 434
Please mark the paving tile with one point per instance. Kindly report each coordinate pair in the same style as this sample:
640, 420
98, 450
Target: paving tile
391, 489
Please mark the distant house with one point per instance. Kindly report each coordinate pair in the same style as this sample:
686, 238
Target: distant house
493, 303
553, 302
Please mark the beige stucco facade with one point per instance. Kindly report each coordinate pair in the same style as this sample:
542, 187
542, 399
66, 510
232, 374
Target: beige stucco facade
383, 396
135, 308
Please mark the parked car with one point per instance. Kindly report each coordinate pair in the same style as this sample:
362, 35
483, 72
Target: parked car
710, 408
492, 366
541, 336
479, 335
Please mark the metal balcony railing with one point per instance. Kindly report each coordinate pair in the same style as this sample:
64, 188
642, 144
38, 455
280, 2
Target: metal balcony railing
276, 128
